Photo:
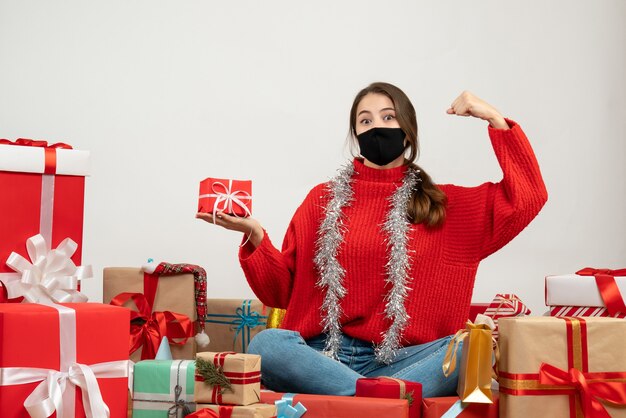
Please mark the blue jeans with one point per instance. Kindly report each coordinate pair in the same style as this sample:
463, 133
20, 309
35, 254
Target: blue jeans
291, 364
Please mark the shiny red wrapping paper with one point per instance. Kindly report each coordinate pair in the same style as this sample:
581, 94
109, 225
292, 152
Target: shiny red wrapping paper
436, 407
322, 406
384, 387
29, 337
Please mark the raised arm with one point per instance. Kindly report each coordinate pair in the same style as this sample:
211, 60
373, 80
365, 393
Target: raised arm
485, 218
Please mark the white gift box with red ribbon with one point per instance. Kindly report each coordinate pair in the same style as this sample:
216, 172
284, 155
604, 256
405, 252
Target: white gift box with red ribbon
577, 290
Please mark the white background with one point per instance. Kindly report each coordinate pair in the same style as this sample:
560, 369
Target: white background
166, 93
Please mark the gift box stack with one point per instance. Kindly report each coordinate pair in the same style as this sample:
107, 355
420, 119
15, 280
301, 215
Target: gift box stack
84, 368
229, 385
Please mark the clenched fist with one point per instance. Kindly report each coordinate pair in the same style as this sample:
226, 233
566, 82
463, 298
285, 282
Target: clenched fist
469, 105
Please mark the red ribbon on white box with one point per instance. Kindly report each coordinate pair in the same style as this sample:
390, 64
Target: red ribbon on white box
227, 198
50, 276
56, 392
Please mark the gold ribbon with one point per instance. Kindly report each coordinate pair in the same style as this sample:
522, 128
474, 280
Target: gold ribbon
401, 384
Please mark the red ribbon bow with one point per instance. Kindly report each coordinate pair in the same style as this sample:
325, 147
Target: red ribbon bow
605, 280
589, 390
25, 142
50, 164
156, 326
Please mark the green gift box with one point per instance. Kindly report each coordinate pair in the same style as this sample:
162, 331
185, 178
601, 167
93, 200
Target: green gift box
162, 386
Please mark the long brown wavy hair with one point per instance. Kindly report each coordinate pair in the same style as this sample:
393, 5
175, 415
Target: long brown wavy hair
428, 204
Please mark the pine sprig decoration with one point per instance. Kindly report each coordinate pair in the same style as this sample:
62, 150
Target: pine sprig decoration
212, 375
409, 397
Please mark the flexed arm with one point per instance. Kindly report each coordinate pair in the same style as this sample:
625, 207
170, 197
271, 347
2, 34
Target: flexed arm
487, 217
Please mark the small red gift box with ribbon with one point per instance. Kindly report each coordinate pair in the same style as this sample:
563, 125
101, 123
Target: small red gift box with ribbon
389, 387
42, 193
589, 292
67, 358
233, 197
562, 367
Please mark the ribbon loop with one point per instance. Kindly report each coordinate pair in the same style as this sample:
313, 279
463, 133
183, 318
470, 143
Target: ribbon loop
50, 276
591, 391
449, 360
605, 280
286, 409
148, 328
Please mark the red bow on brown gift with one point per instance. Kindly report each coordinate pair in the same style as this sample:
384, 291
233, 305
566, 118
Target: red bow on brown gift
155, 326
605, 280
590, 387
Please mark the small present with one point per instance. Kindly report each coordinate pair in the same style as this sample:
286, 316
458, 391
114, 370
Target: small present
233, 197
589, 287
257, 410
232, 323
451, 406
227, 378
562, 367
43, 189
58, 349
322, 406
169, 293
163, 385
584, 311
475, 368
389, 387
505, 305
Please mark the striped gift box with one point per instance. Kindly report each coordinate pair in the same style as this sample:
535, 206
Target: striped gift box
505, 305
583, 311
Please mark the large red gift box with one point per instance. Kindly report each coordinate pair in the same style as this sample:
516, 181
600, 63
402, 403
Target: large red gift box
233, 197
387, 387
437, 407
39, 340
322, 406
42, 192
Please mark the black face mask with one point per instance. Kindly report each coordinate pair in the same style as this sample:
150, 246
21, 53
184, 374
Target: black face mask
382, 145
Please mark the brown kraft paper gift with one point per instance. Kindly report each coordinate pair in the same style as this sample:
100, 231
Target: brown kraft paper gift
174, 293
232, 323
242, 372
556, 367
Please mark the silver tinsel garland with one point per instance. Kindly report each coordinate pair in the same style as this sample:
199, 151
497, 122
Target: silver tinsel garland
331, 273
397, 228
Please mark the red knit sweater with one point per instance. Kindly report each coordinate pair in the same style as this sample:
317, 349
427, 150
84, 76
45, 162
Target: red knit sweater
480, 220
